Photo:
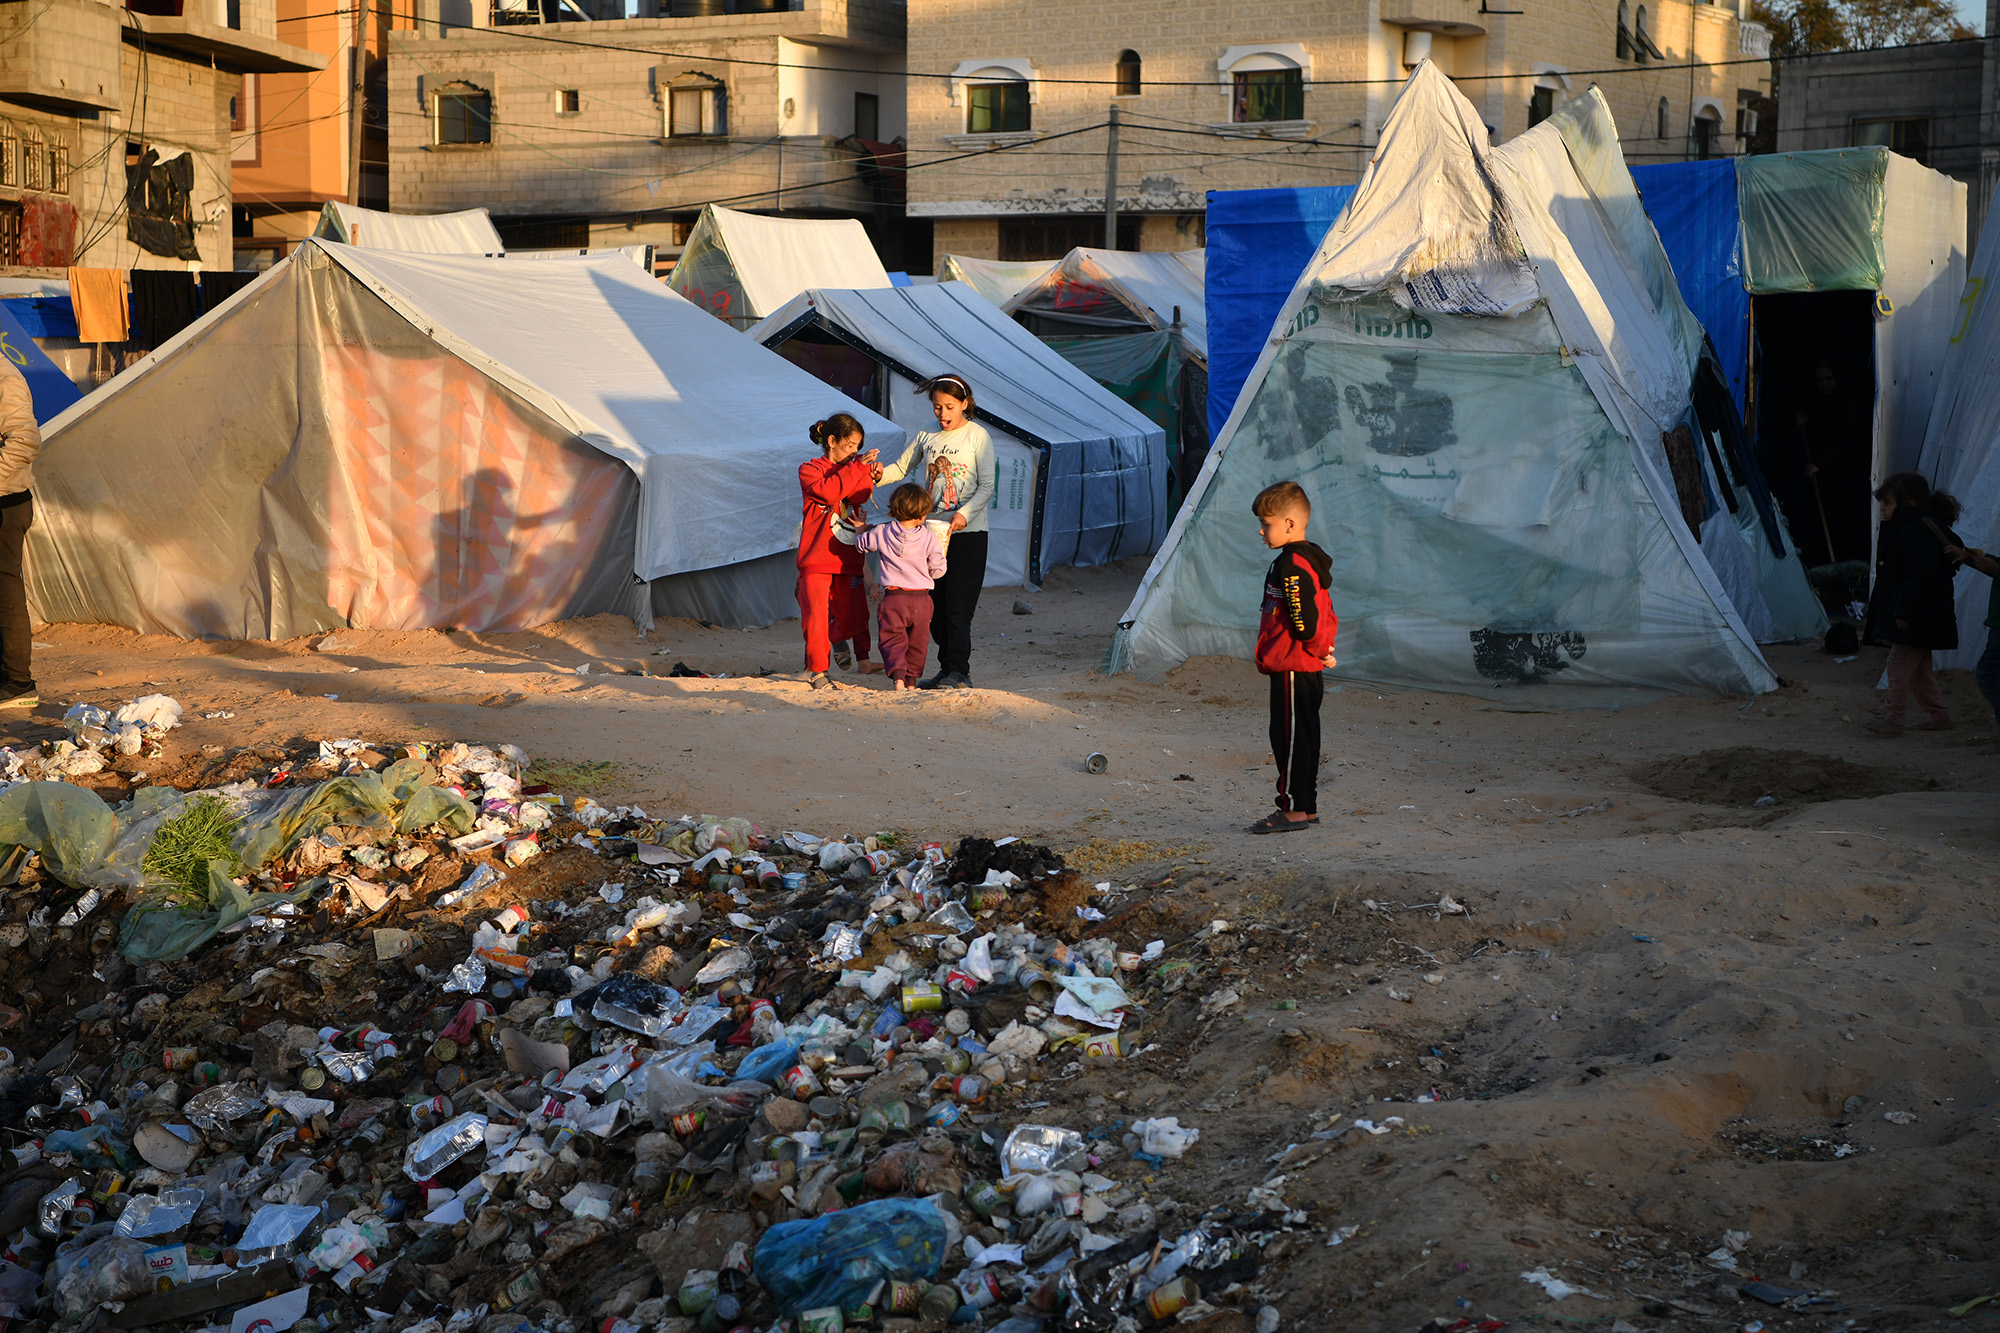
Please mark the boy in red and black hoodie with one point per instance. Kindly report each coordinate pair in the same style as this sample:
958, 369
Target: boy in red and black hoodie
1294, 644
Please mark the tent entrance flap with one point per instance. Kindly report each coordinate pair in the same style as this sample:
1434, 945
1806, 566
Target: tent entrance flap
1814, 386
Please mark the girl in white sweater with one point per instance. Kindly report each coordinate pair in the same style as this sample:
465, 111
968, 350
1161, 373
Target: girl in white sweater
956, 462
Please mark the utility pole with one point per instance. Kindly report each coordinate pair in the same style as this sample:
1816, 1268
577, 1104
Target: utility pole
1111, 185
357, 97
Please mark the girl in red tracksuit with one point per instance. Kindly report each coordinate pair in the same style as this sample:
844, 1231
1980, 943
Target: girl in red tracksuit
833, 604
1295, 633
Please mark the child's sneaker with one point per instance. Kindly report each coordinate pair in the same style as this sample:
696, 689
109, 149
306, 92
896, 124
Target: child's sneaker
19, 694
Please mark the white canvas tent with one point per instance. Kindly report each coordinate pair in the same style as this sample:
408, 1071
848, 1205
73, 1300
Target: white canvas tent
1081, 475
742, 266
1119, 291
421, 441
468, 233
1961, 451
995, 279
1474, 380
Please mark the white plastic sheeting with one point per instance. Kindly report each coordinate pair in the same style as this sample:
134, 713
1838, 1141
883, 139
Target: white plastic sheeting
1923, 274
406, 441
1961, 451
1082, 475
1471, 380
742, 266
468, 233
1124, 289
995, 279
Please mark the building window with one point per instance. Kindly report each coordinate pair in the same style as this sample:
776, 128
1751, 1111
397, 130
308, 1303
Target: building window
1642, 39
1624, 30
1268, 94
1052, 238
58, 168
34, 162
10, 232
694, 108
464, 115
569, 101
10, 157
868, 117
1664, 112
997, 108
1707, 133
1541, 105
1908, 135
1127, 74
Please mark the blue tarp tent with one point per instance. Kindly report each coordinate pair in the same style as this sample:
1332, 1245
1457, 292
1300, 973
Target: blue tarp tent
1258, 244
52, 389
1693, 207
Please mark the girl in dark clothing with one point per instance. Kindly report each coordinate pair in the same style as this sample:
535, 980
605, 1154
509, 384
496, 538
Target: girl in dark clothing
1911, 606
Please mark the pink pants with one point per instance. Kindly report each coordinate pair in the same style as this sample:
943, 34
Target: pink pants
1911, 673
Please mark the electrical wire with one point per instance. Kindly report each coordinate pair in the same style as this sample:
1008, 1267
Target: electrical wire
524, 32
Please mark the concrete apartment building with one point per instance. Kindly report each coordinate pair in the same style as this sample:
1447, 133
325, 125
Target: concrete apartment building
1937, 102
1009, 99
296, 143
115, 128
614, 130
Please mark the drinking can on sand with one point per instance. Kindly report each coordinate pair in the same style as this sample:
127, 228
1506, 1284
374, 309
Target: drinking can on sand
1095, 763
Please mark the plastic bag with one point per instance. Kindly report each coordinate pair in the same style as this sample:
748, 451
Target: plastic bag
70, 826
766, 1062
669, 1086
165, 926
113, 1269
277, 1224
837, 1259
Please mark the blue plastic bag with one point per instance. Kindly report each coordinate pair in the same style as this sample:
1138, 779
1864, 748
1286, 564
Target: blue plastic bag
837, 1259
773, 1058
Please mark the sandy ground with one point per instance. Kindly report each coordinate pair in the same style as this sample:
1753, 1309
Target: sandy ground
1669, 1014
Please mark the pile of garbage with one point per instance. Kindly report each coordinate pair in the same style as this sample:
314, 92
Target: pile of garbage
425, 1045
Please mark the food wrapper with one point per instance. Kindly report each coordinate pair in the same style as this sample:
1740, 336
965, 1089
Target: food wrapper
598, 1073
347, 1066
468, 978
214, 1109
157, 1214
55, 1206
842, 941
1040, 1148
636, 1004
444, 1145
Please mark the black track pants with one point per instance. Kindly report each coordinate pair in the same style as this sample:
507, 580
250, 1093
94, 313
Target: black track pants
1295, 699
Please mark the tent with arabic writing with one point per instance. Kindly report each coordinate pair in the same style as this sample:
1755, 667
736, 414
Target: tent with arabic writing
1485, 382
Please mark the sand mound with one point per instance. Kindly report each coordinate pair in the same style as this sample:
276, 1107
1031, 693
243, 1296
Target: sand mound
1741, 775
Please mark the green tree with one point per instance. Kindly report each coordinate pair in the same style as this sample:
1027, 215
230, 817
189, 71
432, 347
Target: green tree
1809, 27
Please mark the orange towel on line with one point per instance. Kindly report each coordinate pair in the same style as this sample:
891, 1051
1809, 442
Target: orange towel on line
98, 294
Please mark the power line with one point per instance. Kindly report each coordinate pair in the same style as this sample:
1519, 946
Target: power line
525, 32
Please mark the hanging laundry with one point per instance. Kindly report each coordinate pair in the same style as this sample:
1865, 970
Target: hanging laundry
218, 285
99, 297
162, 304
